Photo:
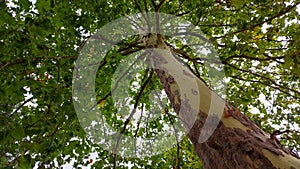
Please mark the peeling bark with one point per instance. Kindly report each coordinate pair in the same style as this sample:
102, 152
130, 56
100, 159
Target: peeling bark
236, 141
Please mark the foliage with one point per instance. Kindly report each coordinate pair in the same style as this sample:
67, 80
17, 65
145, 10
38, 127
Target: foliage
257, 41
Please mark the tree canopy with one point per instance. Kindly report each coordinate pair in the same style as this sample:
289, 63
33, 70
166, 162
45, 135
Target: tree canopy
257, 43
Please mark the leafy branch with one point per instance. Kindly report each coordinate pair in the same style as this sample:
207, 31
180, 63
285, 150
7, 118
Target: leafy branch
262, 77
281, 13
19, 107
130, 116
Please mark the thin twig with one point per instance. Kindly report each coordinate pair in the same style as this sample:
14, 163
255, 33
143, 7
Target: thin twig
118, 81
260, 23
262, 77
175, 130
130, 117
253, 58
26, 101
265, 84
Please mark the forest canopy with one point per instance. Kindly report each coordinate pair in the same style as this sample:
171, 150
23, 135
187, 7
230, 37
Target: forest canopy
40, 42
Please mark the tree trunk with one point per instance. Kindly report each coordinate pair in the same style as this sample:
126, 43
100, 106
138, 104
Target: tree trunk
236, 142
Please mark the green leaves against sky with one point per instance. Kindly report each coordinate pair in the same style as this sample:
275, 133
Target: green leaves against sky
258, 45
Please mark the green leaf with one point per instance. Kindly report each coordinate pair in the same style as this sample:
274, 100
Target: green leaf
18, 132
42, 6
6, 18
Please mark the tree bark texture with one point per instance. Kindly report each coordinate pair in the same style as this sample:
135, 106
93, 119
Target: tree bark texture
236, 142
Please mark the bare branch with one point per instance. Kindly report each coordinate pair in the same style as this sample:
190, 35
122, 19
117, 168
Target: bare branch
154, 4
145, 6
138, 6
159, 5
100, 37
19, 107
253, 58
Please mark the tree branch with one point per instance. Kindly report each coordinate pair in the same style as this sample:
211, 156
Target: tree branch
154, 4
118, 81
130, 116
288, 9
253, 58
17, 109
265, 84
263, 77
18, 61
159, 5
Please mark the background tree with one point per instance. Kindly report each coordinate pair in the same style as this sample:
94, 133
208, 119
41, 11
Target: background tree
258, 44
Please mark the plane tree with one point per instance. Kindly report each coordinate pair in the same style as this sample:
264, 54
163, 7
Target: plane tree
257, 46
